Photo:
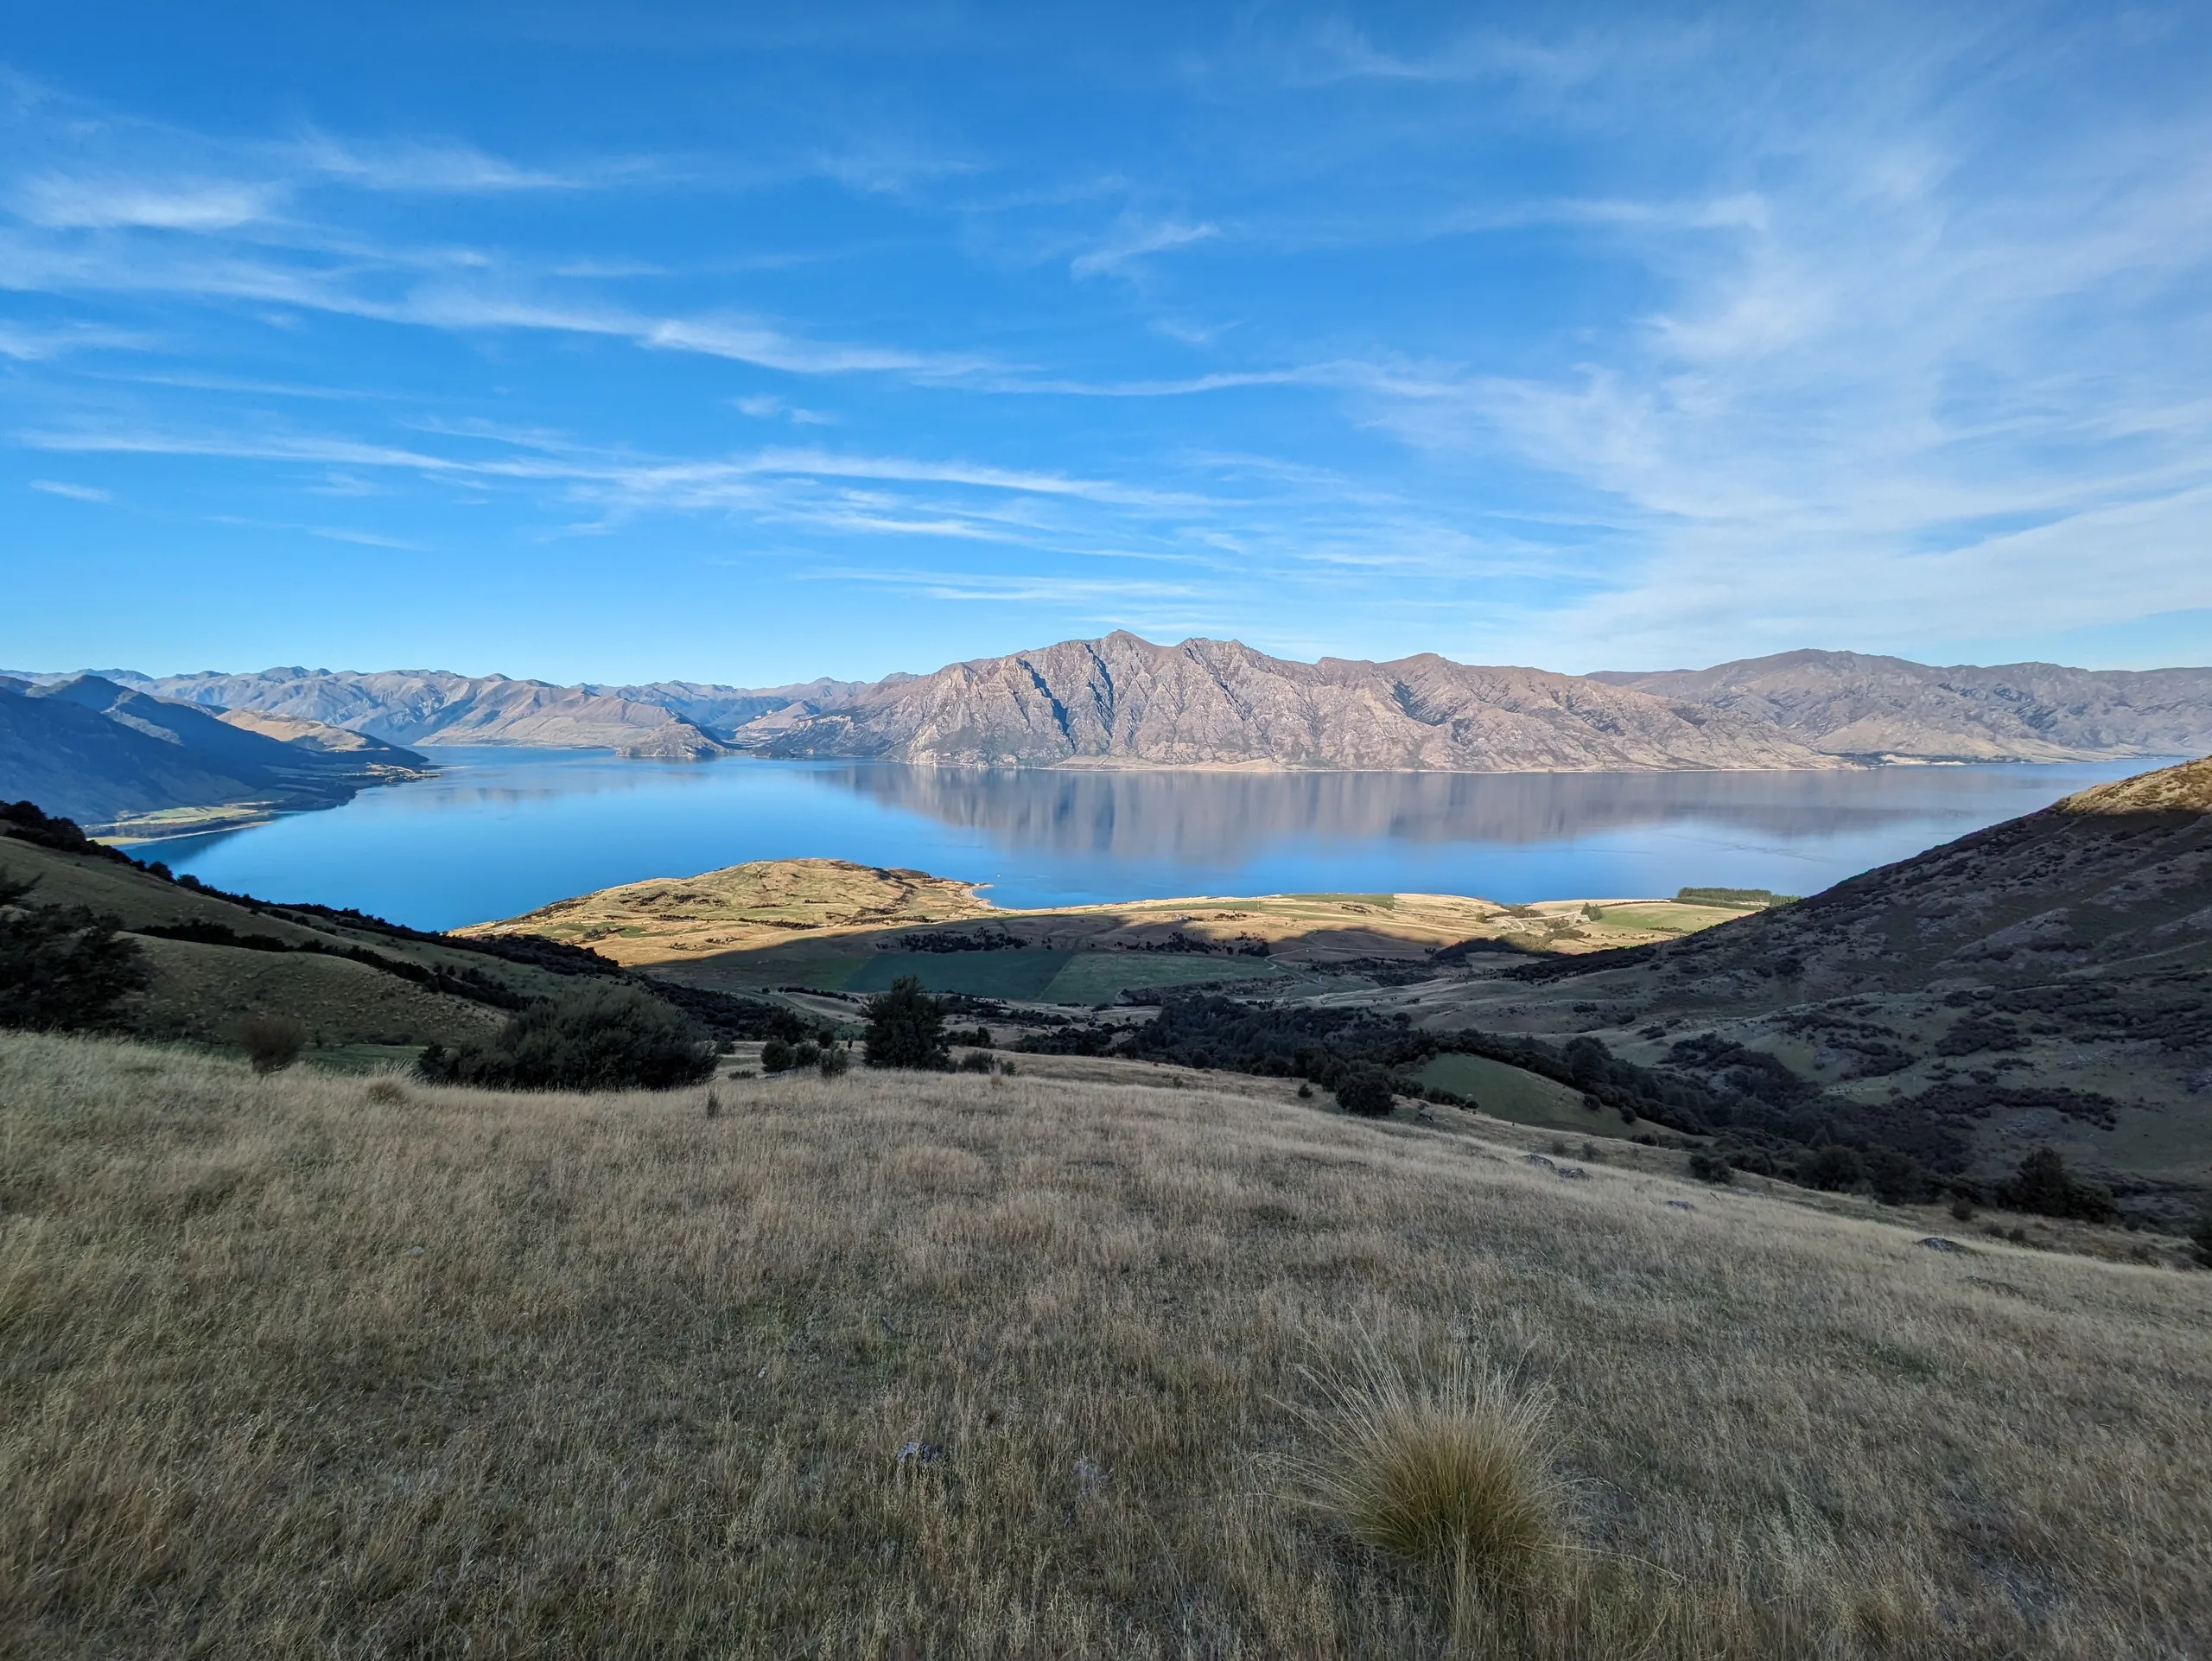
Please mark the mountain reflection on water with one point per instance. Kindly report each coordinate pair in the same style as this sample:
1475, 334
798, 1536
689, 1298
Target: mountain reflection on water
501, 831
1195, 815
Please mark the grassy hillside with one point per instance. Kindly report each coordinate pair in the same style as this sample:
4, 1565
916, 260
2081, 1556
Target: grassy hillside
361, 988
319, 1364
297, 965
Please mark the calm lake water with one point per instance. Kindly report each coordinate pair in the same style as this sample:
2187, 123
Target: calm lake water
501, 831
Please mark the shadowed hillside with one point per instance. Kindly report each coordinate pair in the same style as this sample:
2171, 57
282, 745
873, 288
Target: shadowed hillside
123, 762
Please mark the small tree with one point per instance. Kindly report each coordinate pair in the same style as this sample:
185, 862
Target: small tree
776, 1056
906, 1028
272, 1042
1365, 1090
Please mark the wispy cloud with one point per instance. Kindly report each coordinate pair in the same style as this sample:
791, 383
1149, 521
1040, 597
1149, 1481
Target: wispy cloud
413, 166
1133, 237
761, 407
97, 202
74, 493
30, 344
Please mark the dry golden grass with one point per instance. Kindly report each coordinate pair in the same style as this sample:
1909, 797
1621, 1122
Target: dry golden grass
292, 1367
775, 915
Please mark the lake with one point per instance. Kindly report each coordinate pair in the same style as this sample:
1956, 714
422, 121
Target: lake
501, 832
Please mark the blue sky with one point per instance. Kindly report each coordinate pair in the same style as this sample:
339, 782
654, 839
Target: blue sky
750, 343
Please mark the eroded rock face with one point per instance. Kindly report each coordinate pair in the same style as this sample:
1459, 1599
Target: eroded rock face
1124, 701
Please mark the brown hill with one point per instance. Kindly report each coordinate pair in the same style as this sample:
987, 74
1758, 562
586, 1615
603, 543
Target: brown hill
1849, 703
1124, 701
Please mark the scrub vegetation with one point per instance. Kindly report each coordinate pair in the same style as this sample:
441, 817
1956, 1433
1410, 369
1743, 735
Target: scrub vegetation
913, 1363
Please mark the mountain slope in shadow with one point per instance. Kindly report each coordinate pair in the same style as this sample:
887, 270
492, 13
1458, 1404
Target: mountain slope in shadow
119, 762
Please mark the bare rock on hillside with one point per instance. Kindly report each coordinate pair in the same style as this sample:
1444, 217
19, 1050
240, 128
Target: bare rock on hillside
1124, 701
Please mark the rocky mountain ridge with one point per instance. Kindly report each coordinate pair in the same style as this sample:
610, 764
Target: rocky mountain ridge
1891, 708
1124, 701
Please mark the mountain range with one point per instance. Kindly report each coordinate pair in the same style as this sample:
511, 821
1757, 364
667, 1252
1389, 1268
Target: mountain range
118, 760
1124, 701
1890, 709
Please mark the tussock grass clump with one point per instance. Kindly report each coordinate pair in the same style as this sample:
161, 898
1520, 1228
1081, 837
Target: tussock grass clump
1458, 1475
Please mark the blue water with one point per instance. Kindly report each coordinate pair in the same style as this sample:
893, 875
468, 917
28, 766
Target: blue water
500, 830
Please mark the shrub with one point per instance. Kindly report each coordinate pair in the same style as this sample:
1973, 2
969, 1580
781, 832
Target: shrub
1457, 1477
836, 1061
62, 970
1833, 1167
976, 1061
387, 1092
599, 1037
272, 1042
1711, 1168
1896, 1178
1366, 1092
906, 1028
776, 1056
2043, 1185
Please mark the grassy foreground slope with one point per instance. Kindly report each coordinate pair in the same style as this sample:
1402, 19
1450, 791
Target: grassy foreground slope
315, 1365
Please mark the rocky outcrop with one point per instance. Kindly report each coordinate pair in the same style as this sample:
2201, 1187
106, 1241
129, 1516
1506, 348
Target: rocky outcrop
1849, 703
1122, 701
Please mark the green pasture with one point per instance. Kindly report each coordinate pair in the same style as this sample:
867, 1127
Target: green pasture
979, 974
1095, 976
1505, 1091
